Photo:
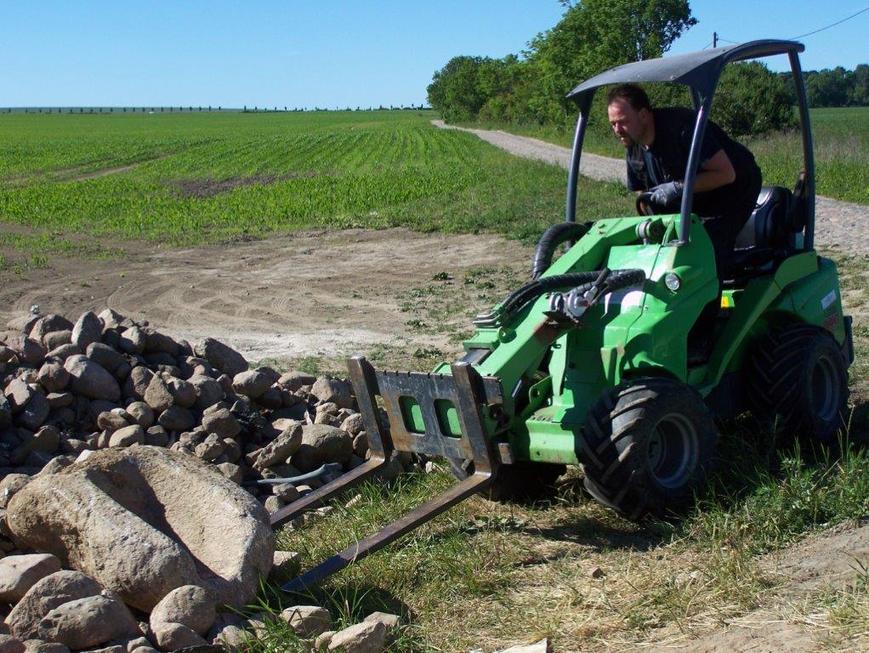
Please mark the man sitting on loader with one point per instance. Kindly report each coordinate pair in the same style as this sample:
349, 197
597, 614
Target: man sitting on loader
657, 143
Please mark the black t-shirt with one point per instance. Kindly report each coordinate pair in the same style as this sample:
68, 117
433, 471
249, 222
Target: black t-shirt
667, 159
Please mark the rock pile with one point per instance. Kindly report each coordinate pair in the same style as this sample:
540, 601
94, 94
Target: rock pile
115, 442
107, 381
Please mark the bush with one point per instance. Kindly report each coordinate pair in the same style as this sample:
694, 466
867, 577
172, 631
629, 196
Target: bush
753, 101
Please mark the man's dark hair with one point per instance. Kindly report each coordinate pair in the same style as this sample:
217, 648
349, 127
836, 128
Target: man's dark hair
630, 93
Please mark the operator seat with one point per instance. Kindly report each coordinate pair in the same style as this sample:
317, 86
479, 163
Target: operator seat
769, 235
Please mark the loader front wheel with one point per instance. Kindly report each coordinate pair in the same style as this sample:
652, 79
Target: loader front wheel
647, 446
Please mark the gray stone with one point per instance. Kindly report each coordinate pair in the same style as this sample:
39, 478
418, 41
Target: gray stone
57, 339
156, 342
48, 593
18, 393
233, 472
391, 621
158, 396
286, 492
365, 637
53, 376
46, 439
208, 391
91, 379
286, 566
353, 424
19, 573
56, 464
137, 382
48, 324
111, 319
322, 444
176, 418
41, 646
231, 637
271, 398
221, 422
171, 636
281, 448
333, 390
293, 380
156, 436
83, 623
273, 504
35, 412
9, 485
209, 449
112, 420
116, 500
101, 353
28, 350
251, 383
189, 605
127, 436
86, 330
132, 340
183, 392
142, 413
222, 357
307, 620
65, 351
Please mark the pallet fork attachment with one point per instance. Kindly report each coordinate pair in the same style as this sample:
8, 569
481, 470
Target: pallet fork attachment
465, 390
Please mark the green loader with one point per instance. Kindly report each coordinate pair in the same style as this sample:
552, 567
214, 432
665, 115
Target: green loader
588, 362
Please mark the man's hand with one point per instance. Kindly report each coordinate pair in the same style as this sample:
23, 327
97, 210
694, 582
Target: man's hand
666, 194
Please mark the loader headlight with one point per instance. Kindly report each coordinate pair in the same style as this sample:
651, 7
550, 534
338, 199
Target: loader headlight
672, 281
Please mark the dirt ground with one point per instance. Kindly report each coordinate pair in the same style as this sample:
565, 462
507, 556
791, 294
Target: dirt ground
319, 294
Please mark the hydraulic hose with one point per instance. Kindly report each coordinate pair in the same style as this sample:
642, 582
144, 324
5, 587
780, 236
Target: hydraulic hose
552, 238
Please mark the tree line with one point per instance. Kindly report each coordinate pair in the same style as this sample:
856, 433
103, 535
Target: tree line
594, 35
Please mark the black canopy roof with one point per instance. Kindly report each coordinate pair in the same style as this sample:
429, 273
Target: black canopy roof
699, 70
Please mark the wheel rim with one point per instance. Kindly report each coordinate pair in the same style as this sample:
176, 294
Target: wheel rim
672, 451
825, 389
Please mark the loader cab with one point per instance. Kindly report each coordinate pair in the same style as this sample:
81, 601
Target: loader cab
783, 221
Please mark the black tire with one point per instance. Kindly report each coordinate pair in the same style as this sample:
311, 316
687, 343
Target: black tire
521, 482
647, 446
799, 375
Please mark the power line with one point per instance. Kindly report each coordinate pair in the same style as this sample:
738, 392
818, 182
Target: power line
838, 22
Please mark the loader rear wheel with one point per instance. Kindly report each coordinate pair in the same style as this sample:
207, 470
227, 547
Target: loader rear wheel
646, 447
799, 374
521, 482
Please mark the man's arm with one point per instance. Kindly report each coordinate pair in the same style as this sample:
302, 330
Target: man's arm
716, 172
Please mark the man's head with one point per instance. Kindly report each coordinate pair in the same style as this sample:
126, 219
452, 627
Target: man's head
630, 115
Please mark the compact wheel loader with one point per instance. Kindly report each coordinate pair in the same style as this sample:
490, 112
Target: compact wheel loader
588, 363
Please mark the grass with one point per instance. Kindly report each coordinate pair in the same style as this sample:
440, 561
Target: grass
841, 145
489, 575
202, 178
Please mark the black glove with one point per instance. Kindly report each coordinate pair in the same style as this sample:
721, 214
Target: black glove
666, 194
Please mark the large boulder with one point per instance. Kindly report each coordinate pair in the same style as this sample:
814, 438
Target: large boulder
143, 521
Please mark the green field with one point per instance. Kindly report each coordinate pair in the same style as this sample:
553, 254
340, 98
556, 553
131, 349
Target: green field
188, 179
841, 140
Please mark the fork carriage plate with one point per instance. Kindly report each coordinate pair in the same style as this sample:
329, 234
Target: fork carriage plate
431, 397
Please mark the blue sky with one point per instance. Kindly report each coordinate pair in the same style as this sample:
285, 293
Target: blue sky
329, 54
